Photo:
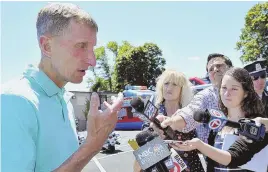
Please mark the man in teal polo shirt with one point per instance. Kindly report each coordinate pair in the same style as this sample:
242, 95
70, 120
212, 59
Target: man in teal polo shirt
38, 128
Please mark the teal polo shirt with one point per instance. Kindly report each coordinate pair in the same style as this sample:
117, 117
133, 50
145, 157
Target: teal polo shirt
38, 126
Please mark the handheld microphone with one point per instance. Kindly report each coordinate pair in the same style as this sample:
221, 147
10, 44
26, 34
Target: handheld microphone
216, 120
153, 155
150, 112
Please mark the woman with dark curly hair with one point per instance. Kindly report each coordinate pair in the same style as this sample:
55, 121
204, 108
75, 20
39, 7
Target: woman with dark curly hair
250, 105
237, 100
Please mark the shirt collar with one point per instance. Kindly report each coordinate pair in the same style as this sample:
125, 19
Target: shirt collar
49, 87
265, 93
215, 88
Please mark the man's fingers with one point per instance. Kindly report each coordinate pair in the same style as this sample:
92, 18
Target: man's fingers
258, 123
106, 104
161, 117
115, 107
117, 103
113, 98
166, 122
94, 104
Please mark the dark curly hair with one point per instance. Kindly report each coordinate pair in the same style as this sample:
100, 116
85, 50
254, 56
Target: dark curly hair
252, 105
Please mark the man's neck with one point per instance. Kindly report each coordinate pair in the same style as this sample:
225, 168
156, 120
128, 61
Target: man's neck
215, 84
259, 92
47, 68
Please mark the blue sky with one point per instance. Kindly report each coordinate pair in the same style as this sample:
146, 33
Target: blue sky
185, 31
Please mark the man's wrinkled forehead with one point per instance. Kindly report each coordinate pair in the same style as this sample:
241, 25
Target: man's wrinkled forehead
81, 31
215, 61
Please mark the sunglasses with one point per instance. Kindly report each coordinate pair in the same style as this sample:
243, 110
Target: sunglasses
262, 76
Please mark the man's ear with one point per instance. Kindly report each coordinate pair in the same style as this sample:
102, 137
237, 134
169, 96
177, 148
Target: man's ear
45, 45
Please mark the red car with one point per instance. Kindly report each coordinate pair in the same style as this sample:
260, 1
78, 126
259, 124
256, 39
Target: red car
197, 81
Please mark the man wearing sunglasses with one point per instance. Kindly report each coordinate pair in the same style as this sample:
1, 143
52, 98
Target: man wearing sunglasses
257, 71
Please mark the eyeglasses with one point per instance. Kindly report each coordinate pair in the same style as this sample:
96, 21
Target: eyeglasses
262, 76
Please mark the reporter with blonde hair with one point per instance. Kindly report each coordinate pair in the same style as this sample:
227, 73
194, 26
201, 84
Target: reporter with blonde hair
173, 92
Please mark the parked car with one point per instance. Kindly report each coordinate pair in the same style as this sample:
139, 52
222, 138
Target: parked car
206, 79
196, 81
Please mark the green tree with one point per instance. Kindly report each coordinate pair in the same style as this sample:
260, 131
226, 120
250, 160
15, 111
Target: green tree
253, 41
100, 84
104, 69
113, 47
138, 65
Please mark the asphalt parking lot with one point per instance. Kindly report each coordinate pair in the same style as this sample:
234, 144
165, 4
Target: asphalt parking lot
120, 161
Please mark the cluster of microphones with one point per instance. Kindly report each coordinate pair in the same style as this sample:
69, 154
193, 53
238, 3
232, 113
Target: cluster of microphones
155, 155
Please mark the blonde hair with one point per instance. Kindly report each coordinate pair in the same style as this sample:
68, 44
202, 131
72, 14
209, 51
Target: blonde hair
179, 79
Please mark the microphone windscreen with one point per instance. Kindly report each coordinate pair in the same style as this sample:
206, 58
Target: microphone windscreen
201, 116
137, 104
145, 136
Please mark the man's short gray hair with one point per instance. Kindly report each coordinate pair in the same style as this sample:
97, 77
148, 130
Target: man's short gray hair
55, 17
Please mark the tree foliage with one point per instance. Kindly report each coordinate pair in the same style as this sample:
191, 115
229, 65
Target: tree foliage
253, 41
139, 65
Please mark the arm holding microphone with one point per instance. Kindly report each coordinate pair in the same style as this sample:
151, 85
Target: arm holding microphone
218, 155
240, 152
182, 120
150, 112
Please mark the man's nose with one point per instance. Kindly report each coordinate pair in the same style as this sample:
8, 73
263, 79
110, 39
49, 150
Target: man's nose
216, 69
92, 59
